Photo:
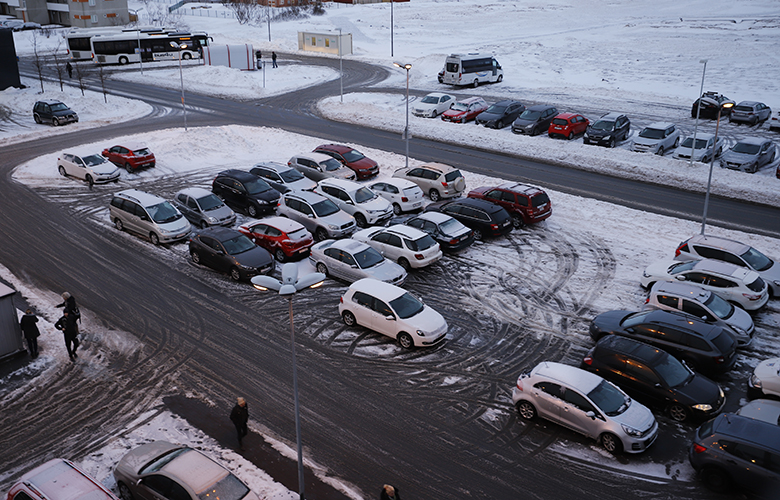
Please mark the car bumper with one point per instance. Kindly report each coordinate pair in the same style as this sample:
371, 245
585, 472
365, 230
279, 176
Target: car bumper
342, 232
428, 343
367, 173
170, 238
427, 261
411, 206
753, 305
380, 220
522, 130
638, 445
142, 164
601, 141
534, 218
103, 179
463, 242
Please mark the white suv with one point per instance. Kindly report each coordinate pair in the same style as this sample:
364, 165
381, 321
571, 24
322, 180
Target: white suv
657, 138
392, 311
408, 246
366, 206
318, 214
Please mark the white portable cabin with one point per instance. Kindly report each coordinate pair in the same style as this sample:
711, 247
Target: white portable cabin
325, 42
233, 56
11, 341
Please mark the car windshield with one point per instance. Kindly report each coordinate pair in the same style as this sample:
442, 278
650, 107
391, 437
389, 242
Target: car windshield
364, 194
700, 143
421, 244
238, 244
459, 106
652, 133
634, 319
163, 213
368, 258
324, 208
496, 109
290, 175
681, 266
719, 306
209, 202
609, 399
158, 463
93, 160
530, 115
744, 109
59, 107
331, 164
604, 125
757, 260
673, 372
540, 199
451, 176
406, 306
560, 121
451, 227
430, 99
745, 148
142, 152
353, 155
228, 488
256, 186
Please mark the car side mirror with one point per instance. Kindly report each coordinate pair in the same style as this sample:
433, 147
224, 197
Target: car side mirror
680, 277
658, 385
390, 317
349, 202
591, 415
353, 266
310, 216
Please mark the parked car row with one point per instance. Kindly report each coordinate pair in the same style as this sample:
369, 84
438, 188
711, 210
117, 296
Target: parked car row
102, 168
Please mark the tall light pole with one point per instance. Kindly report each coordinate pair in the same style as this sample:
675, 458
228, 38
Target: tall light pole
391, 28
712, 163
287, 287
268, 17
138, 32
181, 46
341, 69
698, 111
407, 67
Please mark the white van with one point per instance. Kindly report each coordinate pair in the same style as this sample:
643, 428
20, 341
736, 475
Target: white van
471, 69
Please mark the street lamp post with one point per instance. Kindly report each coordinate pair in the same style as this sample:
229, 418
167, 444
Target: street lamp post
287, 287
341, 69
407, 67
181, 47
698, 111
138, 32
712, 163
391, 28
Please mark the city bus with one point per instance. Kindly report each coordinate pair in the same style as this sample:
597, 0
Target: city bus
470, 69
77, 39
124, 48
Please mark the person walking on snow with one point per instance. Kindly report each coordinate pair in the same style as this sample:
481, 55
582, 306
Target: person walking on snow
31, 333
273, 59
69, 67
240, 416
389, 493
67, 324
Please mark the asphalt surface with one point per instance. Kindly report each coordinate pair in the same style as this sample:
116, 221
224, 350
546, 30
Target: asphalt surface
438, 423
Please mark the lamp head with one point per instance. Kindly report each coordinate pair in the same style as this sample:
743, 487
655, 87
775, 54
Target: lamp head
728, 104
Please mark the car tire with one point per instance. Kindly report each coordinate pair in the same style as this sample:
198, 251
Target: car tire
434, 114
124, 491
119, 225
677, 412
405, 340
154, 238
322, 268
203, 224
62, 171
434, 195
517, 221
349, 318
320, 234
500, 124
611, 143
500, 78
235, 274
361, 221
526, 410
476, 83
195, 257
477, 234
37, 118
251, 210
660, 151
611, 443
570, 136
397, 209
129, 168
55, 121
186, 56
677, 142
715, 478
90, 181
123, 60
403, 262
280, 255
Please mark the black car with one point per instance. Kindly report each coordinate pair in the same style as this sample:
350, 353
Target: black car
449, 233
710, 103
608, 130
654, 378
500, 114
534, 120
54, 112
245, 191
483, 217
704, 347
228, 251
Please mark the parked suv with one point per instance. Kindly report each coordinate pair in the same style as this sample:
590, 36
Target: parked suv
732, 450
148, 215
535, 120
437, 180
282, 177
608, 130
525, 204
366, 206
655, 378
484, 218
58, 479
410, 247
203, 208
585, 403
53, 112
710, 102
657, 138
702, 346
364, 167
318, 214
245, 191
317, 166
734, 252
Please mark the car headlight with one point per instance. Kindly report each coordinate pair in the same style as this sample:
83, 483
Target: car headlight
333, 226
242, 266
755, 382
645, 275
421, 333
703, 407
631, 431
739, 330
262, 202
212, 220
585, 135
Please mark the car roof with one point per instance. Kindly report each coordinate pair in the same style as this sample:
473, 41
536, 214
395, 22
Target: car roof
49, 101
437, 94
195, 192
132, 146
339, 148
763, 434
662, 126
722, 243
378, 289
307, 196
613, 115
519, 187
60, 479
405, 231
478, 203
196, 470
237, 174
686, 290
567, 116
569, 375
683, 321
317, 157
342, 183
349, 245
470, 100
274, 165
399, 182
539, 107
440, 167
630, 347
219, 232
507, 102
748, 103
435, 217
702, 136
720, 267
753, 140
142, 197
281, 223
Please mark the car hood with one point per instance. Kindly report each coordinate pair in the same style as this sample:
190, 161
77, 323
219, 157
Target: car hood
425, 106
522, 122
610, 320
489, 117
269, 195
661, 268
768, 372
740, 319
645, 141
698, 390
387, 271
480, 191
107, 168
341, 173
63, 112
429, 321
636, 416
256, 257
364, 164
222, 212
304, 184
181, 224
771, 274
453, 112
732, 157
377, 203
697, 154
136, 458
338, 219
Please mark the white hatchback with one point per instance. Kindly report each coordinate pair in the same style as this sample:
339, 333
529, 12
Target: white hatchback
392, 311
366, 206
95, 169
405, 195
433, 105
410, 247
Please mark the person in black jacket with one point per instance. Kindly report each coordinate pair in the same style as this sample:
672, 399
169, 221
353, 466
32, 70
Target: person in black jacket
273, 60
68, 302
67, 323
30, 330
240, 416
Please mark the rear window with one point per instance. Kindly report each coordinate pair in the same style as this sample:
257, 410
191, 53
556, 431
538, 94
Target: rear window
142, 152
705, 429
560, 121
421, 244
724, 342
229, 488
453, 175
746, 109
452, 67
757, 286
540, 199
298, 234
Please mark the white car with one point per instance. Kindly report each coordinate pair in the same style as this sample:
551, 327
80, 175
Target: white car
737, 285
657, 138
95, 169
392, 311
405, 195
705, 145
408, 246
765, 380
432, 105
353, 260
366, 206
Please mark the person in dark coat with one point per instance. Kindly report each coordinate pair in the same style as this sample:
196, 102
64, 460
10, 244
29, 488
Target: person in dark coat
67, 323
240, 416
69, 303
389, 493
69, 67
273, 59
31, 333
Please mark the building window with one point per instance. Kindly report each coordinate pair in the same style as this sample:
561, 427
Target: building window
91, 3
94, 18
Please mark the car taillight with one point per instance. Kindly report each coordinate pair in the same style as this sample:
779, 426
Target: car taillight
404, 199
588, 360
699, 448
419, 256
519, 385
444, 183
647, 300
719, 359
679, 249
453, 241
287, 243
494, 226
341, 299
750, 296
279, 203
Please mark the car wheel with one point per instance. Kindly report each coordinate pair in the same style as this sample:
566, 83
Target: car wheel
526, 410
55, 121
434, 114
195, 257
321, 234
203, 224
37, 118
360, 220
678, 412
123, 60
279, 254
500, 124
660, 151
477, 234
89, 180
154, 238
118, 224
322, 268
235, 274
403, 262
251, 210
569, 137
500, 78
476, 83
349, 318
129, 168
124, 491
517, 221
677, 142
611, 443
434, 195
715, 478
186, 56
611, 143
396, 209
62, 171
650, 285
405, 340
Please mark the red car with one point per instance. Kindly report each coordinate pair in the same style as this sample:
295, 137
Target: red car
567, 125
281, 236
130, 157
465, 110
525, 204
363, 166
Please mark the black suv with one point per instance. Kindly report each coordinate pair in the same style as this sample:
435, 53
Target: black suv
483, 217
710, 102
244, 191
53, 112
702, 346
654, 378
608, 130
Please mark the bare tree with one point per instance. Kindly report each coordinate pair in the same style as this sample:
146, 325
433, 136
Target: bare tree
81, 76
38, 58
59, 63
102, 76
244, 10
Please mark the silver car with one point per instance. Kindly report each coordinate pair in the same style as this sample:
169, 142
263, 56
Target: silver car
353, 260
703, 151
203, 208
585, 403
751, 112
318, 214
657, 138
148, 215
437, 180
749, 154
318, 166
283, 177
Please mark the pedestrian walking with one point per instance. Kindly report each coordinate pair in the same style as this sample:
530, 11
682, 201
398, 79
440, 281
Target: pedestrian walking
30, 331
240, 416
69, 67
273, 59
67, 324
389, 493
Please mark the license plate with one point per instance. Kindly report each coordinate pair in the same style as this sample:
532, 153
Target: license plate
506, 223
417, 204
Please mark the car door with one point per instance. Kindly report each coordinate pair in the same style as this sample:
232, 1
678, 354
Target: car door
137, 219
751, 465
211, 253
363, 309
79, 168
641, 382
393, 246
312, 169
384, 319
764, 154
696, 309
257, 234
191, 210
334, 263
548, 399
574, 413
349, 267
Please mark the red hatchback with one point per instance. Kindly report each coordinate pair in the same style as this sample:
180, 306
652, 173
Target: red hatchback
130, 157
525, 204
363, 166
567, 125
465, 110
281, 236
